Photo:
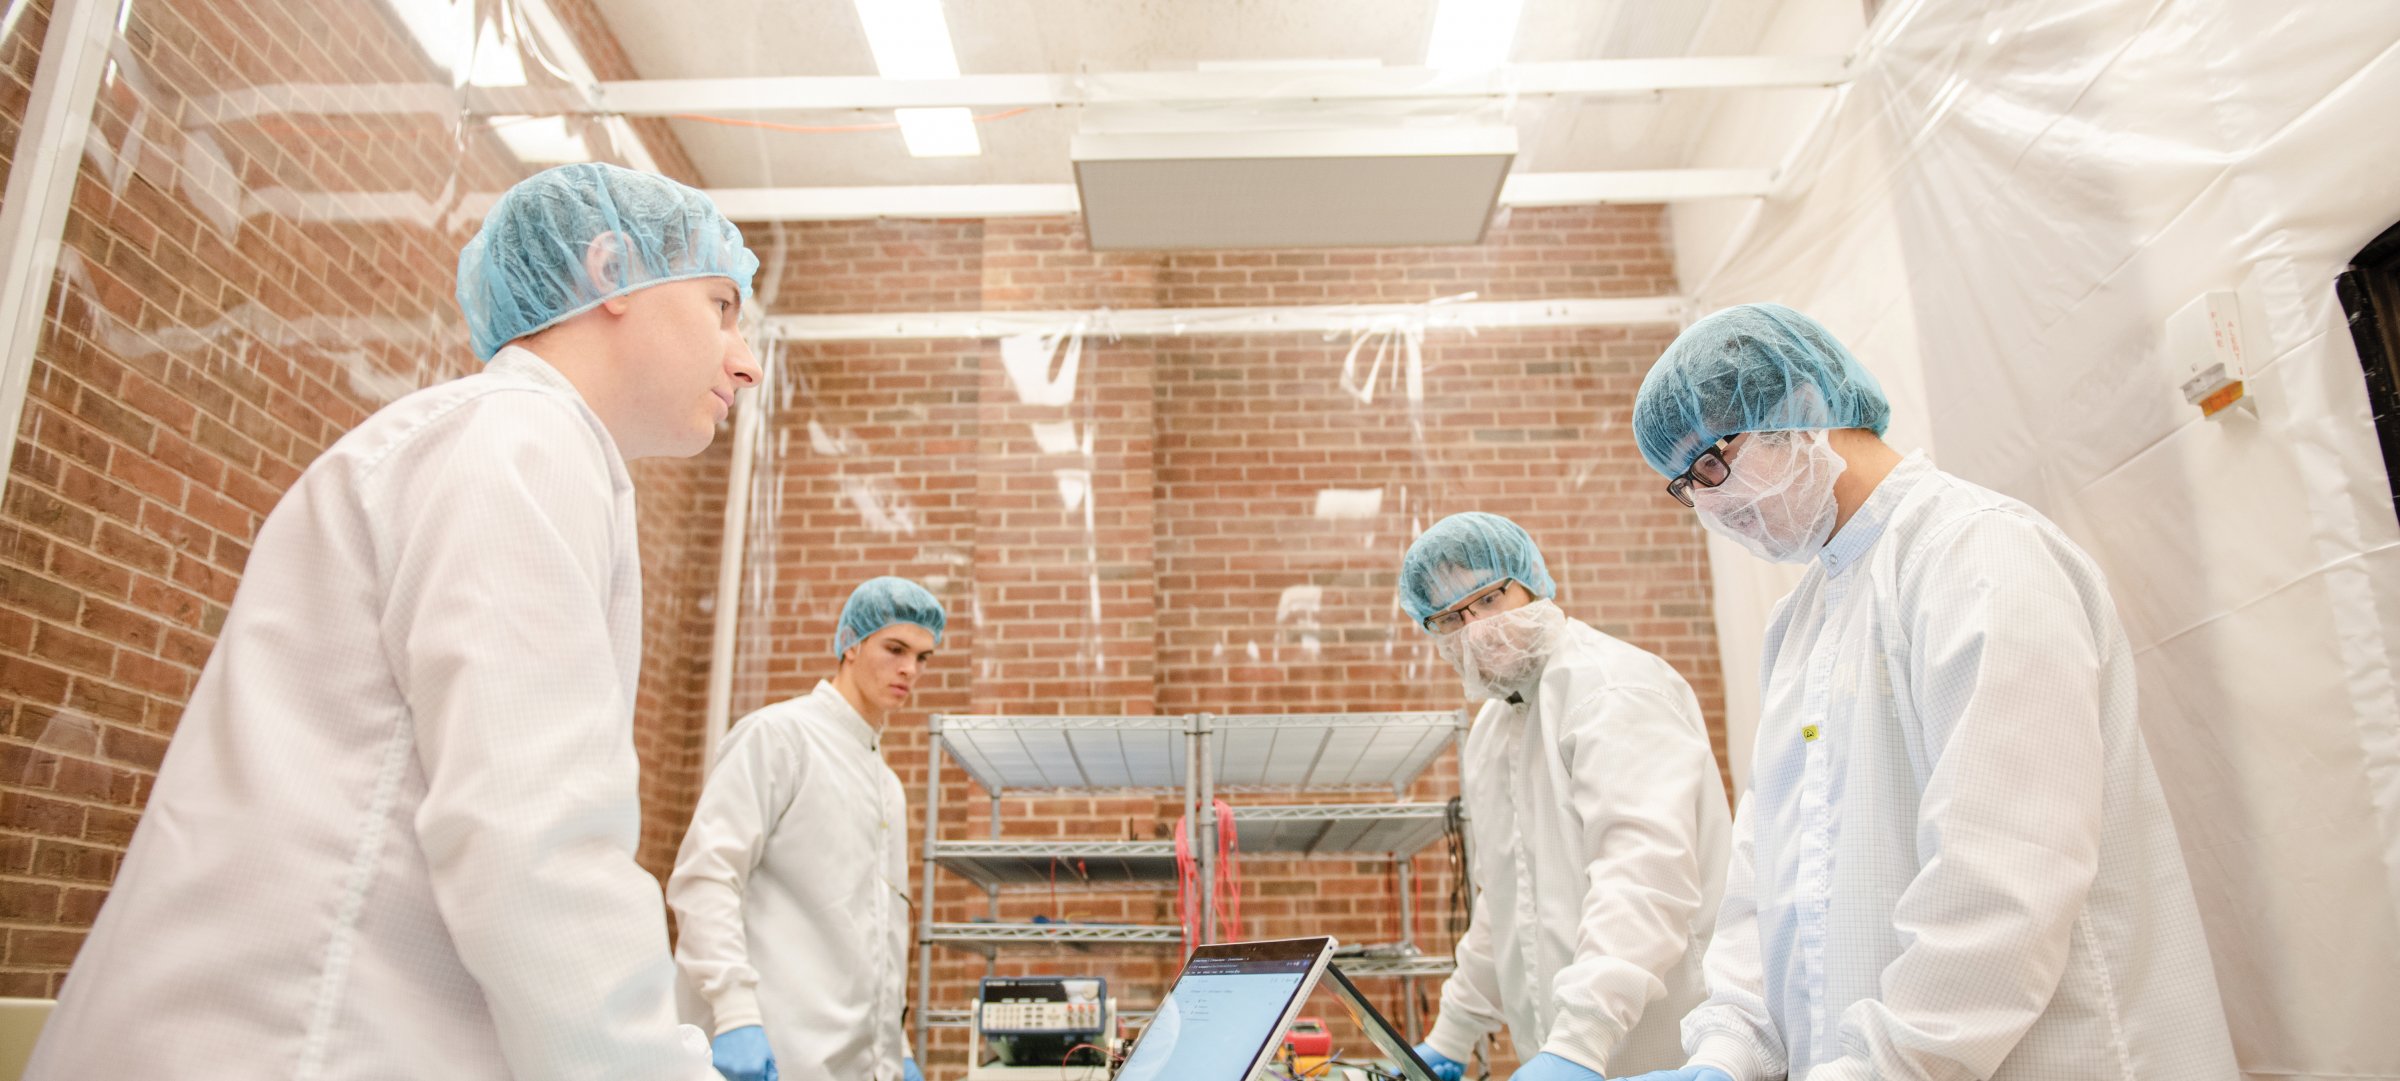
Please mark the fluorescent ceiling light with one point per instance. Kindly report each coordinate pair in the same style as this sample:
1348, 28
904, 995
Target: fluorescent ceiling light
1471, 34
939, 133
541, 140
911, 40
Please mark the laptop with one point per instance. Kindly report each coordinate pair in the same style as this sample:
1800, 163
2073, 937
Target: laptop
1226, 1015
1389, 1040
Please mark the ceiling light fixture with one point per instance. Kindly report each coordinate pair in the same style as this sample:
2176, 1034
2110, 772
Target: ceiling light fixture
911, 40
1472, 35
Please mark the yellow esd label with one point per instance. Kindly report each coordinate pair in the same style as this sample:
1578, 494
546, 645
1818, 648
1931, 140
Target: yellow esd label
1808, 734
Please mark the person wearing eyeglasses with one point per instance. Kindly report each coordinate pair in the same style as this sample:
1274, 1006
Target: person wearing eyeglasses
1953, 860
1599, 821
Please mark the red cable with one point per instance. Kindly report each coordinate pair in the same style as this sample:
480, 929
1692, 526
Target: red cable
1226, 899
1229, 872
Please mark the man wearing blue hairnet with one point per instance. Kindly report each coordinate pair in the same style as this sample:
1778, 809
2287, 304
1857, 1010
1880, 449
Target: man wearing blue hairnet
394, 834
1597, 815
791, 891
1953, 860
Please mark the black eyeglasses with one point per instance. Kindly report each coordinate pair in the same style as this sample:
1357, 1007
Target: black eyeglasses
1708, 470
1482, 604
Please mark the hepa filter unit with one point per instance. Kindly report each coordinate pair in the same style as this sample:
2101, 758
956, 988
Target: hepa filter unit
1291, 189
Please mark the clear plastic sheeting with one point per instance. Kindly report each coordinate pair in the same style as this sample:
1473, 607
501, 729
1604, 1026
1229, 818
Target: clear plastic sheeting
1998, 217
260, 250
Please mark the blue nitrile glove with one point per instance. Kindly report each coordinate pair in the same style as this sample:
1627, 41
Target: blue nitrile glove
1440, 1064
909, 1070
1688, 1073
1549, 1067
742, 1055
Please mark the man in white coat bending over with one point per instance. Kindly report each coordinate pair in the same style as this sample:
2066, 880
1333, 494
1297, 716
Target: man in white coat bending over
1954, 862
1597, 816
791, 891
394, 835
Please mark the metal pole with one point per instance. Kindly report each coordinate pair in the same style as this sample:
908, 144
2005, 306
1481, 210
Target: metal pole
933, 818
1408, 936
1206, 833
991, 961
1191, 796
748, 430
33, 213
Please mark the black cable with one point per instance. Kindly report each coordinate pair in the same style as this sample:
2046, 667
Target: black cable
1454, 845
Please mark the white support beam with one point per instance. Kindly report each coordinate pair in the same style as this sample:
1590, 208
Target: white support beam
897, 201
817, 93
1634, 186
984, 200
1160, 322
1050, 200
1570, 78
41, 185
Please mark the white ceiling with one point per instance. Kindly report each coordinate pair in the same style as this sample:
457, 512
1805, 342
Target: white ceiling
1001, 37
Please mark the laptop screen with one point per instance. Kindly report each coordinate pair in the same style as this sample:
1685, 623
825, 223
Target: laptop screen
1225, 1011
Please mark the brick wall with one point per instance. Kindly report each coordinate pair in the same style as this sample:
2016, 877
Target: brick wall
1191, 525
199, 353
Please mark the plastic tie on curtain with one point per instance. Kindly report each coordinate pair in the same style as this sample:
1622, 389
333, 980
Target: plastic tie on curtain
1400, 339
1027, 358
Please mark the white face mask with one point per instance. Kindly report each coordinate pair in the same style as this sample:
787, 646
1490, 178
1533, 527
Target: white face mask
1778, 501
1500, 655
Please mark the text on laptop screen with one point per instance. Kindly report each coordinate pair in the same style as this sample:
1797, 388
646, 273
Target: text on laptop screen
1221, 1014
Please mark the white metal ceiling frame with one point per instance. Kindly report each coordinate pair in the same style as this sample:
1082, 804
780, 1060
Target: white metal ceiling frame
1174, 322
616, 99
841, 93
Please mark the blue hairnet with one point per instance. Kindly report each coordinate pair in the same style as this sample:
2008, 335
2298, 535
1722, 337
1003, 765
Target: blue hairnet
526, 268
1750, 368
1464, 553
880, 602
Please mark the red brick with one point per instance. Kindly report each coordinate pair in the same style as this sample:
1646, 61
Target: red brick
34, 948
89, 574
72, 651
22, 902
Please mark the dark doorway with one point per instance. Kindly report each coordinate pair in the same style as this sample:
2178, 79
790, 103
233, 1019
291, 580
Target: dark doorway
2370, 292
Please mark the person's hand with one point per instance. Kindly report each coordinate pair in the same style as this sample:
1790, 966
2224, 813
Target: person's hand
909, 1070
1441, 1065
1688, 1073
1549, 1067
742, 1055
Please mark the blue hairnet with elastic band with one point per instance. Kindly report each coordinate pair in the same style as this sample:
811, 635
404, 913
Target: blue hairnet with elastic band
1464, 553
880, 602
531, 264
1750, 368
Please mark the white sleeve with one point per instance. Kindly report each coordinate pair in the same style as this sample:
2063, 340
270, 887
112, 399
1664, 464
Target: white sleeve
753, 782
499, 537
2006, 685
1640, 764
1733, 1030
1471, 996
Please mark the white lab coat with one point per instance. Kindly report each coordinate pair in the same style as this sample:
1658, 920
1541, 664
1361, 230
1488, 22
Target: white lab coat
1955, 862
1598, 841
394, 834
791, 891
